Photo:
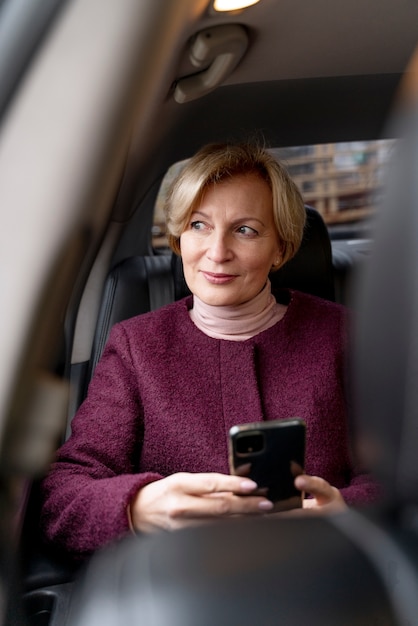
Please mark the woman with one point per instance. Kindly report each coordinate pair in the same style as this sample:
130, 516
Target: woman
148, 448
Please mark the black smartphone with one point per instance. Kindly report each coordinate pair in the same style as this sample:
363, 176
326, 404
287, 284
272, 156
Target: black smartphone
272, 454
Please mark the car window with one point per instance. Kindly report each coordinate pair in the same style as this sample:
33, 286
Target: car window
343, 181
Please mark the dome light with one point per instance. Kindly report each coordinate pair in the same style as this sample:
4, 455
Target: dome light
233, 5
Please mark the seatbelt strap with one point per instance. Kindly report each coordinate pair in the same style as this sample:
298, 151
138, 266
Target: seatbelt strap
160, 280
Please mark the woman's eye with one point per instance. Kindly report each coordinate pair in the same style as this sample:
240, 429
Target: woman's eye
197, 225
247, 231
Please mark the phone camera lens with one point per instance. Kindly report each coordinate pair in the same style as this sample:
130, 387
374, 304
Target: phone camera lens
250, 443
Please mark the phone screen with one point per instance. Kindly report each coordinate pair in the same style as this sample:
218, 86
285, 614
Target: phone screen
272, 454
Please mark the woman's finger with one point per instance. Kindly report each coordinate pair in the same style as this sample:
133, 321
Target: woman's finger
317, 487
220, 506
206, 483
323, 494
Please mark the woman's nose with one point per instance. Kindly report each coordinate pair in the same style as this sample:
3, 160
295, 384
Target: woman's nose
219, 249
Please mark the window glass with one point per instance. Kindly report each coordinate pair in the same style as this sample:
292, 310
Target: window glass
159, 230
343, 181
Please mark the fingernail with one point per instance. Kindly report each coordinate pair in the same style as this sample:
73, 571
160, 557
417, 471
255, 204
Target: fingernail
248, 485
265, 505
300, 482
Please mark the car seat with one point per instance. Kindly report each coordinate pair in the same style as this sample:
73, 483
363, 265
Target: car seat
140, 284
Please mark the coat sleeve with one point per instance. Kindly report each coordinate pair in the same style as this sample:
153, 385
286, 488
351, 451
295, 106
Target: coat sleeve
362, 490
92, 480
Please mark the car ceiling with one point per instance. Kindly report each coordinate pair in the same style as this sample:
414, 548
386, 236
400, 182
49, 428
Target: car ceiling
91, 126
294, 39
313, 72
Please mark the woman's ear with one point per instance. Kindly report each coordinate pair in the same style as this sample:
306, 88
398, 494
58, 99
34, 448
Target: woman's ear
278, 259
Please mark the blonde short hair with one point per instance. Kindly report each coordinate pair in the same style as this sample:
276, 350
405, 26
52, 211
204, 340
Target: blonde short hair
217, 162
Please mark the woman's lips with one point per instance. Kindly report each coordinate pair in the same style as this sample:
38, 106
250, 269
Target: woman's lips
218, 278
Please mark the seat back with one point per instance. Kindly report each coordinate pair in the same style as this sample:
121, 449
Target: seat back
386, 355
285, 571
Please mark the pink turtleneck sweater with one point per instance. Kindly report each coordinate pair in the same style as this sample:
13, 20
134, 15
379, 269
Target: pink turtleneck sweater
241, 322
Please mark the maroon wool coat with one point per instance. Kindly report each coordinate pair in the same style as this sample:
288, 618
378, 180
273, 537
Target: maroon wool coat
165, 395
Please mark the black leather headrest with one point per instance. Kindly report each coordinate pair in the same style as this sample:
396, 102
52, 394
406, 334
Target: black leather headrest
311, 269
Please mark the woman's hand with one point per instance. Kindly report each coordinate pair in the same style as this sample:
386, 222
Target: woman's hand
325, 498
185, 499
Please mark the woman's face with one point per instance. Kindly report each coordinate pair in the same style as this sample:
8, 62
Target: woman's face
231, 242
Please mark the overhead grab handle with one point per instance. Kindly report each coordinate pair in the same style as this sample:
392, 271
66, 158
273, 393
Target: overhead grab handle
220, 47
